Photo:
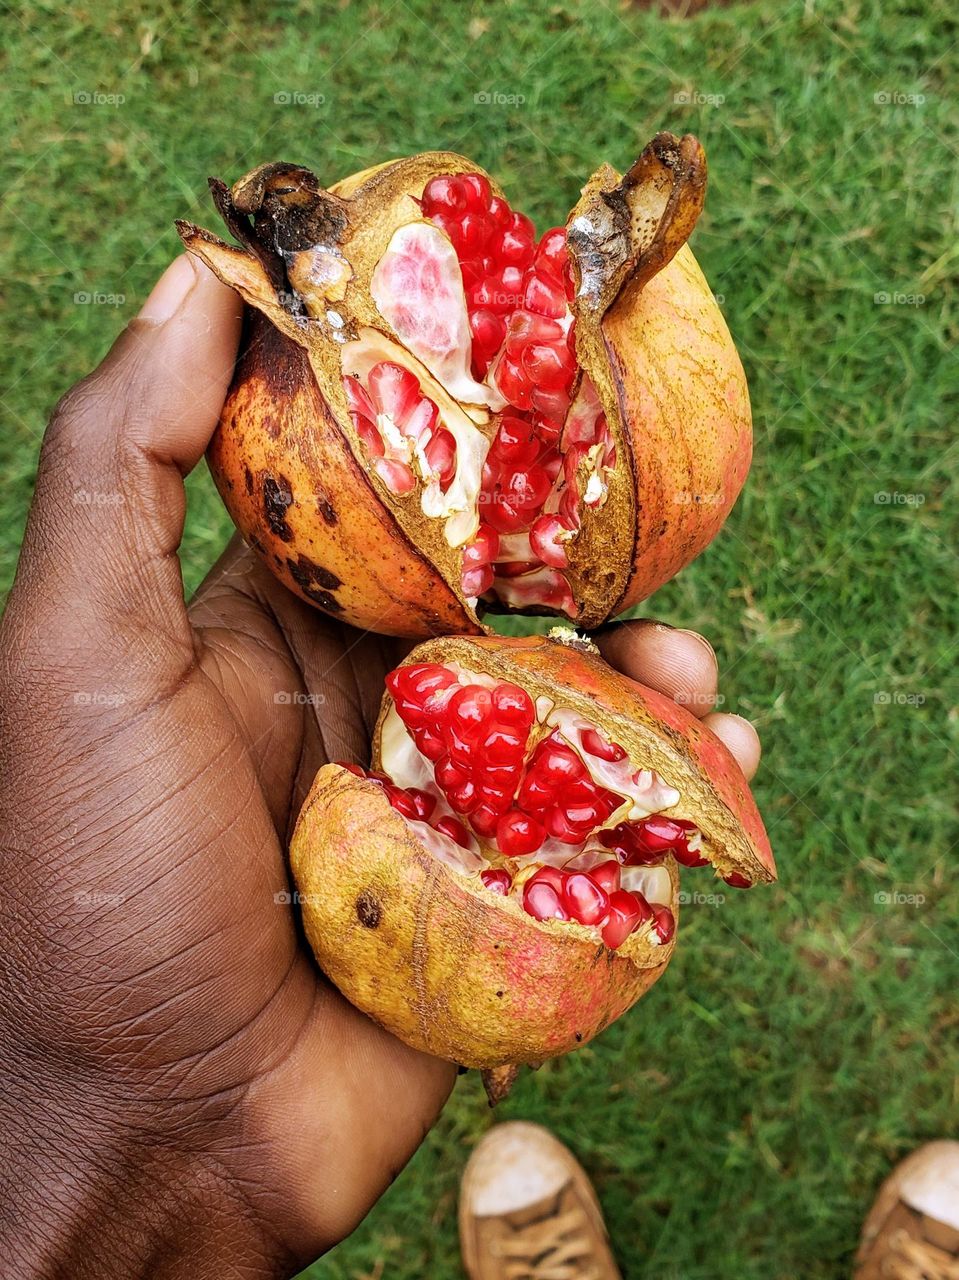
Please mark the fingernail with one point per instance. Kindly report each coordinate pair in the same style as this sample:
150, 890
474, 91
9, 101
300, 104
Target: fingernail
169, 291
695, 635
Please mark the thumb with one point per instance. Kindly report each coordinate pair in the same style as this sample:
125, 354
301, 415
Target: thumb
107, 518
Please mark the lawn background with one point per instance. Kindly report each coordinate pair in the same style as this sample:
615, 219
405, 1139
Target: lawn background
737, 1123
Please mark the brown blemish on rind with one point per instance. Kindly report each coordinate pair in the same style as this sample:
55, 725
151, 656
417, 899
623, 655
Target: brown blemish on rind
386, 584
326, 510
368, 910
316, 583
277, 500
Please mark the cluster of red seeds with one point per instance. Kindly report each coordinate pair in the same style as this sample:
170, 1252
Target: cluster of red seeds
522, 339
520, 475
474, 737
516, 290
392, 392
477, 740
517, 294
594, 897
642, 844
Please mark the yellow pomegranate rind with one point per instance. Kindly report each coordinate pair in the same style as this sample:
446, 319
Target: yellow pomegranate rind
442, 963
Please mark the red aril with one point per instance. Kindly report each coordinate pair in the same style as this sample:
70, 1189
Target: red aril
518, 834
737, 881
542, 902
467, 710
477, 582
626, 912
664, 924
584, 899
607, 875
513, 705
594, 742
553, 876
497, 880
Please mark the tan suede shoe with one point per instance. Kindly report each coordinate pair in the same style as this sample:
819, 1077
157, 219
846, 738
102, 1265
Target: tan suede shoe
528, 1211
912, 1232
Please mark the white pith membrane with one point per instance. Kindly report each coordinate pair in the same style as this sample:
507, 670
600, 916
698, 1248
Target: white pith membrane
643, 794
420, 267
457, 506
418, 288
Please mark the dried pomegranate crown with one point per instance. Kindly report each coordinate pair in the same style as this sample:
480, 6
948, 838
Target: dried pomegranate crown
435, 413
503, 882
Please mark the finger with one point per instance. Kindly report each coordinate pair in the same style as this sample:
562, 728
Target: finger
680, 664
740, 737
107, 516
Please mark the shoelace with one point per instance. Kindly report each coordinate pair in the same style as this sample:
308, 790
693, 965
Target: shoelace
554, 1248
914, 1259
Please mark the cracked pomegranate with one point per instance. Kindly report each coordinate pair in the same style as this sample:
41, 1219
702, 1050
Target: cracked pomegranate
438, 413
517, 842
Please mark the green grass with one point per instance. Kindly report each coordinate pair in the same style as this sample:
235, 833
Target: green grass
737, 1123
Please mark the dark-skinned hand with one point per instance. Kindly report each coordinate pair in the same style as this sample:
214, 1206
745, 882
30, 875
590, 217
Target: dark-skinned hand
183, 1093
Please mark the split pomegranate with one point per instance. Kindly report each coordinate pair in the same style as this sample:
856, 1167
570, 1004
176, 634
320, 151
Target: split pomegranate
502, 882
438, 412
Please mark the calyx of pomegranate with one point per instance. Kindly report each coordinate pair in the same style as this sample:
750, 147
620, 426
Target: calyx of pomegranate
437, 413
502, 882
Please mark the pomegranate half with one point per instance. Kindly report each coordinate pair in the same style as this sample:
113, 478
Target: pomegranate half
435, 414
503, 882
